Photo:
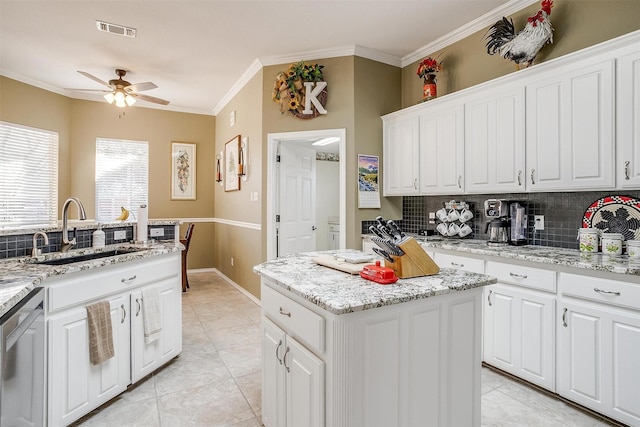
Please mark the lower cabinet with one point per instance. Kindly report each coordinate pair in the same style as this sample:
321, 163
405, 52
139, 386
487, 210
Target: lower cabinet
293, 381
75, 386
599, 347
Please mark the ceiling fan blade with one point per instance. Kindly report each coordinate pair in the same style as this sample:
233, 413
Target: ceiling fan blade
139, 87
95, 79
89, 90
151, 99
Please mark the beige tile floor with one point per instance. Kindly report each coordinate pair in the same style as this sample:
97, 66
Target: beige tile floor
216, 382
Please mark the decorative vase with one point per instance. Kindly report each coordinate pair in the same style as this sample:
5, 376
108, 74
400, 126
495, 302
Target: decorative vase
429, 89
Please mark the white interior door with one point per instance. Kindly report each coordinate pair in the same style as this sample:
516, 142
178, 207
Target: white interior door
297, 199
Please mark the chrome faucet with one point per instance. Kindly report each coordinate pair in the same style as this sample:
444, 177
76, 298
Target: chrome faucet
35, 251
66, 243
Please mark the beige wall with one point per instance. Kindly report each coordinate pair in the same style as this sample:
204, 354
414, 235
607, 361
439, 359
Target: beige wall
79, 122
577, 23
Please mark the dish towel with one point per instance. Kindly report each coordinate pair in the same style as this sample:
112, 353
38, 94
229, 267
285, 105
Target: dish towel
151, 314
100, 332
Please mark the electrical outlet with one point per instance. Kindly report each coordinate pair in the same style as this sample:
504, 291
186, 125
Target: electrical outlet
231, 261
119, 234
538, 222
157, 232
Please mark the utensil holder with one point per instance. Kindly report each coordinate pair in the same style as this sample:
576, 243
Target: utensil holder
414, 263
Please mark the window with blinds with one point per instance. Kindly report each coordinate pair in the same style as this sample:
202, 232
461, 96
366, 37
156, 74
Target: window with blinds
122, 177
28, 176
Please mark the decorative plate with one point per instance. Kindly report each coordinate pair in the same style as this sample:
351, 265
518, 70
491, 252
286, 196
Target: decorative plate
615, 214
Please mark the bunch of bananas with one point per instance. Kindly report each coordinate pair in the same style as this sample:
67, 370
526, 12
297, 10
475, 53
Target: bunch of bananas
123, 215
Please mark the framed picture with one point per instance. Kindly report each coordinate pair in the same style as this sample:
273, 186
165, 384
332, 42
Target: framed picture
183, 171
231, 152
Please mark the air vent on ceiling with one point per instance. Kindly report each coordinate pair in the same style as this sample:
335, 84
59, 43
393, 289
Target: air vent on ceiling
116, 29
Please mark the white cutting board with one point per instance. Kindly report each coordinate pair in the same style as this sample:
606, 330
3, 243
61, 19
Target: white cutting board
347, 267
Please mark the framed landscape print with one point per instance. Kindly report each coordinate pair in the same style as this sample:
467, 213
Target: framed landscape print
231, 152
183, 171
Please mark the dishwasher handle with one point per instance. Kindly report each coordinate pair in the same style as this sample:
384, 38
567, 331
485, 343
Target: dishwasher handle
22, 327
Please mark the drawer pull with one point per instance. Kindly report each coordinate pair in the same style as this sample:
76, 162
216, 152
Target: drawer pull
139, 307
129, 279
564, 317
415, 184
124, 313
626, 170
285, 313
284, 358
455, 264
459, 181
278, 349
600, 291
533, 182
489, 299
520, 177
518, 276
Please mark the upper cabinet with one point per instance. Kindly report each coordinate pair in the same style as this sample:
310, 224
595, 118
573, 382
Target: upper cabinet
628, 163
442, 149
400, 155
494, 149
570, 127
572, 124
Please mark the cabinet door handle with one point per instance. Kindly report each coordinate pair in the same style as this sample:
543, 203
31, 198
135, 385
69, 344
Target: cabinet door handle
601, 291
139, 307
285, 313
455, 264
518, 276
124, 313
459, 181
123, 280
626, 170
284, 358
520, 177
415, 183
564, 317
277, 350
533, 182
489, 299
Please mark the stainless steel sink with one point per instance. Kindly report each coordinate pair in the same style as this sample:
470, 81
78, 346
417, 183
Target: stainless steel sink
87, 257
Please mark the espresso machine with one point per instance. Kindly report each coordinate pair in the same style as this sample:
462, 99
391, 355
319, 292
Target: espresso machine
507, 222
498, 227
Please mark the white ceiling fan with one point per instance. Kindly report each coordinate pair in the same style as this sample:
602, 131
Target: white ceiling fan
121, 92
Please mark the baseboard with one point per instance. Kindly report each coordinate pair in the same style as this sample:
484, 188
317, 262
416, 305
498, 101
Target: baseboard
229, 281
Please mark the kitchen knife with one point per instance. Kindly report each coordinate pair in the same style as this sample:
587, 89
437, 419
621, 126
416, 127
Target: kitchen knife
377, 232
387, 234
383, 254
395, 230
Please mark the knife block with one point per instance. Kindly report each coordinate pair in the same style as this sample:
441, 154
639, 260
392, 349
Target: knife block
414, 263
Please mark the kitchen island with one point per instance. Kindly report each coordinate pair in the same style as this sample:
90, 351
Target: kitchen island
339, 350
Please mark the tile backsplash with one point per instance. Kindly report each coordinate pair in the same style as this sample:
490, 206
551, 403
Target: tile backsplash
562, 212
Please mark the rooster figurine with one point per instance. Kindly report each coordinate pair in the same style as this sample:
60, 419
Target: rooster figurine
524, 46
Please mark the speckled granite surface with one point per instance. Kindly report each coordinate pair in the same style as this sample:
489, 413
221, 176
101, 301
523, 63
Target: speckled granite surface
620, 264
341, 293
84, 225
18, 276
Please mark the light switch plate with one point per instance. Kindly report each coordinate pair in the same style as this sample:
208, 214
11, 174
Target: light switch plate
119, 234
157, 232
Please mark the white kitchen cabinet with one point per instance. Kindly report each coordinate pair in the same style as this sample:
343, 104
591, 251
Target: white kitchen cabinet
570, 135
75, 385
400, 155
292, 376
494, 141
459, 262
628, 117
442, 148
333, 236
519, 326
146, 358
599, 345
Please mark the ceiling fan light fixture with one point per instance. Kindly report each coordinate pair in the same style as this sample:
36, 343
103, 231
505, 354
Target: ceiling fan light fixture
130, 100
109, 97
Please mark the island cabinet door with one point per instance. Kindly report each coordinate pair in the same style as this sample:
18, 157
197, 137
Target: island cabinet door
76, 386
273, 379
598, 353
146, 357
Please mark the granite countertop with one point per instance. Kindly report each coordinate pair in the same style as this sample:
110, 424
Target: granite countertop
83, 225
341, 293
18, 276
620, 264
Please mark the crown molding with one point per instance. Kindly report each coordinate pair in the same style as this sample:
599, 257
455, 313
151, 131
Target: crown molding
466, 30
253, 69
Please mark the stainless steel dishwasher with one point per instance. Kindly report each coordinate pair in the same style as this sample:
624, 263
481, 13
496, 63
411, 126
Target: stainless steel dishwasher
22, 363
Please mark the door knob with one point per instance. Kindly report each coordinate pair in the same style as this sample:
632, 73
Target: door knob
314, 228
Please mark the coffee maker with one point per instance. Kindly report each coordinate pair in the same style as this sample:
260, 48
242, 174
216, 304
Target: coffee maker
497, 213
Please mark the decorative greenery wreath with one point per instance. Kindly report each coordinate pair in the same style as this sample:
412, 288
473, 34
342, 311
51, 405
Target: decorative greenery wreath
289, 90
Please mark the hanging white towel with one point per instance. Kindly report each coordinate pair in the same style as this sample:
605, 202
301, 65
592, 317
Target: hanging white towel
151, 314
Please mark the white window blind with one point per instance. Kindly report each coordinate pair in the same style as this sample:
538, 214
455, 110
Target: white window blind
28, 176
122, 177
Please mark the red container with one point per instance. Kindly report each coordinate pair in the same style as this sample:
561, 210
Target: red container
378, 274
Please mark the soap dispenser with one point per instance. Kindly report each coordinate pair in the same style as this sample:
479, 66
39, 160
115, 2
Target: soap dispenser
98, 238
